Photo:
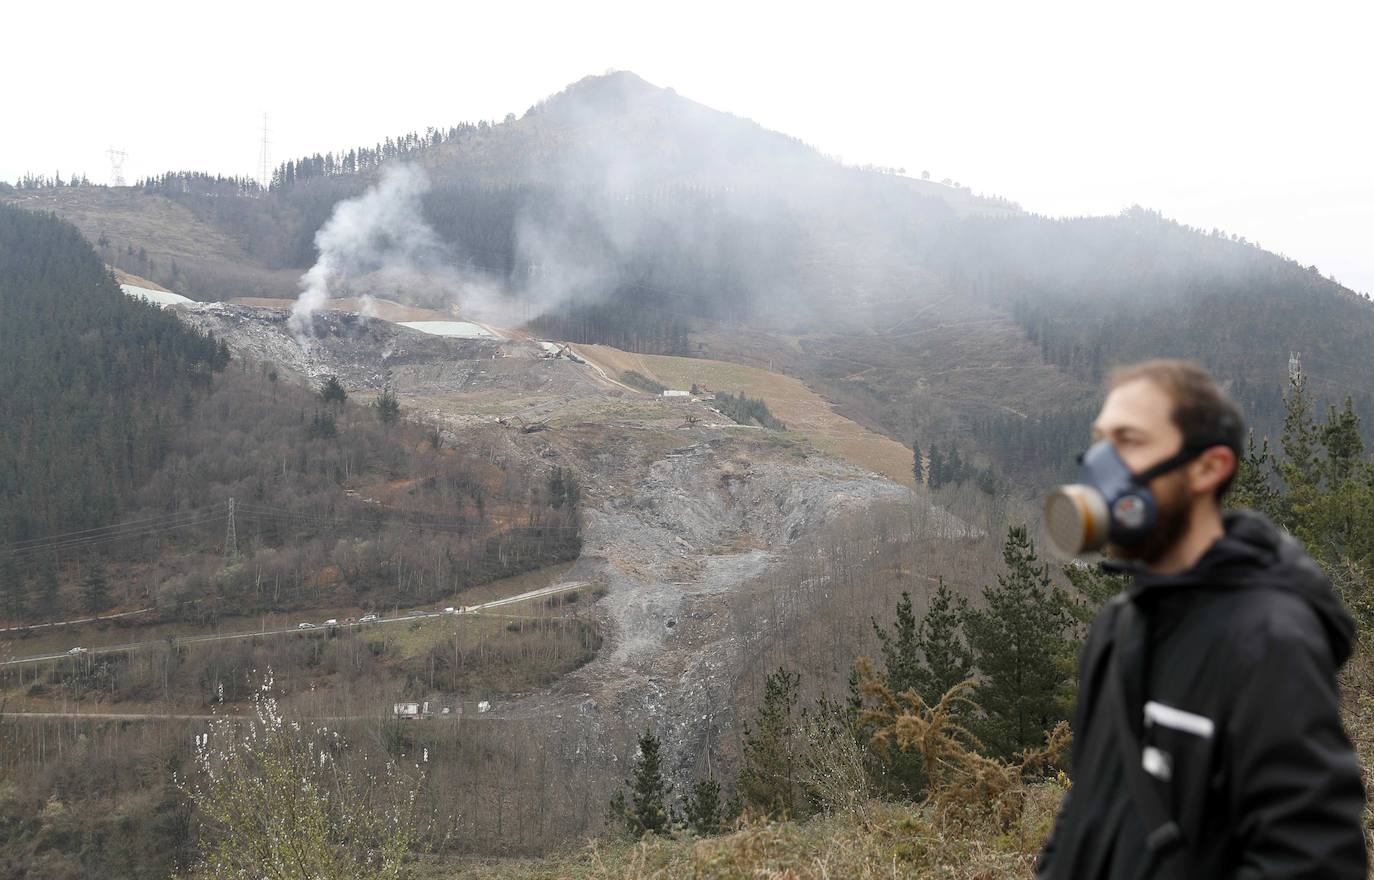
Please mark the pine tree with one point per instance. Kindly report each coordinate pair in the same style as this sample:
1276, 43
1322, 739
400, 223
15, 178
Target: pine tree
94, 590
704, 808
1251, 487
332, 391
768, 774
987, 482
900, 773
1095, 586
918, 471
648, 807
388, 409
954, 467
935, 475
900, 648
1334, 521
945, 659
1023, 650
1340, 437
1300, 468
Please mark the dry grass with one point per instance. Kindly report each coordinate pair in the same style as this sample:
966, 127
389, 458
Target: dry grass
801, 409
136, 280
876, 839
133, 217
213, 265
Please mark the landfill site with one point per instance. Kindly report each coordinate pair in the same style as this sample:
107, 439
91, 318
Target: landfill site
685, 513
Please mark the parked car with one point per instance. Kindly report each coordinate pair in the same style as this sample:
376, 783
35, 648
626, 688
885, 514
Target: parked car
305, 626
367, 618
450, 610
333, 621
79, 650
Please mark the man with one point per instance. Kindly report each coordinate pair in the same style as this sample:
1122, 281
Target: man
1207, 738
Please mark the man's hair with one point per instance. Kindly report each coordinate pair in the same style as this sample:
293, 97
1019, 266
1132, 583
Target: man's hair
1202, 411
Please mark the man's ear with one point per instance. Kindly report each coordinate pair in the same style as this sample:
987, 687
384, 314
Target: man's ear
1211, 469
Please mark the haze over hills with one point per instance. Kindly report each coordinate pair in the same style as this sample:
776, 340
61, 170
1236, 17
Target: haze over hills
619, 212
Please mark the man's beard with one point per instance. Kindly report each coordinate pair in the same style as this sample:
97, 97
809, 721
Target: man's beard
1172, 516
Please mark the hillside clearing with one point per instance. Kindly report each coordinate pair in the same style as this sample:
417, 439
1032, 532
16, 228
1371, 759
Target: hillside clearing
801, 409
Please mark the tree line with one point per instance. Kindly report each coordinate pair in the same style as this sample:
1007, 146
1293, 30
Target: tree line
364, 158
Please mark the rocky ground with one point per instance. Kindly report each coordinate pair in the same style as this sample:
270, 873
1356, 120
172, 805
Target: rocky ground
682, 511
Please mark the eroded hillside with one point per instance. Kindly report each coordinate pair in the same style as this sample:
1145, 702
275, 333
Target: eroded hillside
694, 526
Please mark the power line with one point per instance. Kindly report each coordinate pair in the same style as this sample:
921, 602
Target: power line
155, 526
56, 545
231, 536
117, 158
264, 157
411, 519
105, 537
100, 529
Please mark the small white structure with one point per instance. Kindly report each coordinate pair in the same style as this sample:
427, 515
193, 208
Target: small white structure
460, 329
673, 392
419, 710
484, 706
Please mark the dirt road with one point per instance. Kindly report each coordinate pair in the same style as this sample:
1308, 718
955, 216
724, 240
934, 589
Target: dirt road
78, 651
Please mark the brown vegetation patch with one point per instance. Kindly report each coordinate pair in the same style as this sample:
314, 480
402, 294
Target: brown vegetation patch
791, 400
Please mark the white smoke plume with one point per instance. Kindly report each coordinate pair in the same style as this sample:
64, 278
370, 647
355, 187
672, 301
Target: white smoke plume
378, 241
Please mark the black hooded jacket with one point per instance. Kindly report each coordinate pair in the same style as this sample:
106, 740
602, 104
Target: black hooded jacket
1228, 673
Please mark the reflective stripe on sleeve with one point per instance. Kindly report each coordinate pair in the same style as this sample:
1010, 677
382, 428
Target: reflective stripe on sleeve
1177, 719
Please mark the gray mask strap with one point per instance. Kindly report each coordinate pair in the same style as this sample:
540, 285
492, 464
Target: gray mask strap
1177, 460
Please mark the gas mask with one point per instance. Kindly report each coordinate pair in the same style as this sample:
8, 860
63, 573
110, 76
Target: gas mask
1109, 504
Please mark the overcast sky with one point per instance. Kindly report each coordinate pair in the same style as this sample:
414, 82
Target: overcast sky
1252, 117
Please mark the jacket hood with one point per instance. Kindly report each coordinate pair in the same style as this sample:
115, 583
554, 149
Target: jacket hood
1255, 553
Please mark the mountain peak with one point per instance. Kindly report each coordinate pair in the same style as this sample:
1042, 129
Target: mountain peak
614, 93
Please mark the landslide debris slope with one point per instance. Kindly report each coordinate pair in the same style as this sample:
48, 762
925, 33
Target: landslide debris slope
684, 514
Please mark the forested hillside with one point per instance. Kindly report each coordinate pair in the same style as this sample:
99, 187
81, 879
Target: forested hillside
1096, 292
93, 381
127, 433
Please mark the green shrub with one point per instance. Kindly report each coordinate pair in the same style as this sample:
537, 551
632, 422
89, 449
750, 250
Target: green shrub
747, 411
642, 382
